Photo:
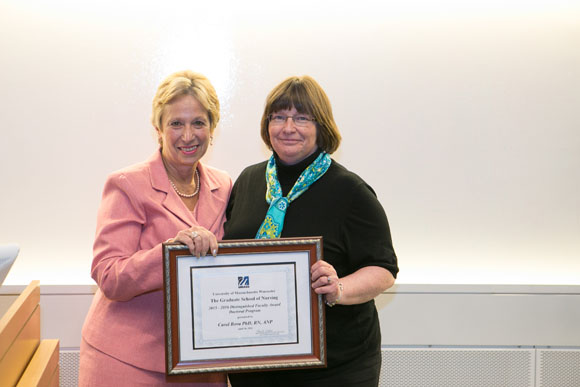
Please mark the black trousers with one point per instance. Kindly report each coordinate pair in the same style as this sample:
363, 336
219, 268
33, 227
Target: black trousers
363, 372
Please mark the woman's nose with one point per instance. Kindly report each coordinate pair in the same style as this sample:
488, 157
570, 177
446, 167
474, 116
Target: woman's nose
188, 133
289, 124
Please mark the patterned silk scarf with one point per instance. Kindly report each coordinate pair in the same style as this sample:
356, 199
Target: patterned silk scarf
274, 222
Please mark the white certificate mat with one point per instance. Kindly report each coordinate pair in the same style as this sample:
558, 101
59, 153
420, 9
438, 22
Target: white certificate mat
250, 308
241, 306
244, 305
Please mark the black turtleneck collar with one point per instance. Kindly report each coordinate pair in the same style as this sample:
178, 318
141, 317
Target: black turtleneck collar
288, 174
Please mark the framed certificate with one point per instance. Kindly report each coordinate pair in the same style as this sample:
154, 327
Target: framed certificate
250, 308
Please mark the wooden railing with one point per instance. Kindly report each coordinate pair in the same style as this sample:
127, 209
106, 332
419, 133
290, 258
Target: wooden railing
25, 359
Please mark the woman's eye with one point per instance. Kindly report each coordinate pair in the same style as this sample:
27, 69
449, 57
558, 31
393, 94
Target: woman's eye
199, 124
175, 123
301, 118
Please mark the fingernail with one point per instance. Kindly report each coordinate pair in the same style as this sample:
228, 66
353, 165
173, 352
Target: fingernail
214, 252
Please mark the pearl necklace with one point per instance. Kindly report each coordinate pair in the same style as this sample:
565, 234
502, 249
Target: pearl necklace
187, 195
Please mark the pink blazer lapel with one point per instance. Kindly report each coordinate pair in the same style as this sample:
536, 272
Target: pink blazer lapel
172, 202
212, 210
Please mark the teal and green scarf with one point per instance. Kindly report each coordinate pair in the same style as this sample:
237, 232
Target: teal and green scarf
274, 221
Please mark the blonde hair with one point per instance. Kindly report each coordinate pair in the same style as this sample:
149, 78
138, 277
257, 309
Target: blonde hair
186, 83
306, 95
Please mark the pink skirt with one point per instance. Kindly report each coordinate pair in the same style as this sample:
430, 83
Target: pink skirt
98, 369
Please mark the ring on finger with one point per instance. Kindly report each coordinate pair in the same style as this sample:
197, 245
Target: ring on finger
194, 234
328, 279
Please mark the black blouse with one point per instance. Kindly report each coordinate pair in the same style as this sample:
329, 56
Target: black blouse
344, 210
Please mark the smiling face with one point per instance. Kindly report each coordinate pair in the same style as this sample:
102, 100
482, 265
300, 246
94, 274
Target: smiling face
184, 134
292, 143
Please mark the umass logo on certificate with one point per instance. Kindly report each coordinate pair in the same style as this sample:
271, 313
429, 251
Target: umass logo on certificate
243, 282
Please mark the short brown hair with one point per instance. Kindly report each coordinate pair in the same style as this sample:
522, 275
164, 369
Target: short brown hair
186, 83
306, 95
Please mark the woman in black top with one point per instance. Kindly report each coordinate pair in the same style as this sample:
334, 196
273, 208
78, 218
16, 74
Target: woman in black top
301, 192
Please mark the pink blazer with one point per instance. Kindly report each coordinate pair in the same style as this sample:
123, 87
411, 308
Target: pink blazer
139, 210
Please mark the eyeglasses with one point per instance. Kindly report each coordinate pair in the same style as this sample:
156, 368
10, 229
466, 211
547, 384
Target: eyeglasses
299, 119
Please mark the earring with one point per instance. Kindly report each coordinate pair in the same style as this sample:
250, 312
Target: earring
211, 140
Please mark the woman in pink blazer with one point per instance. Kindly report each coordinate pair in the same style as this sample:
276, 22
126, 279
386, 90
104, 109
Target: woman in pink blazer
170, 197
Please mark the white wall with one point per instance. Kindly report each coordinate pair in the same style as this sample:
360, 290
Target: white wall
463, 115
